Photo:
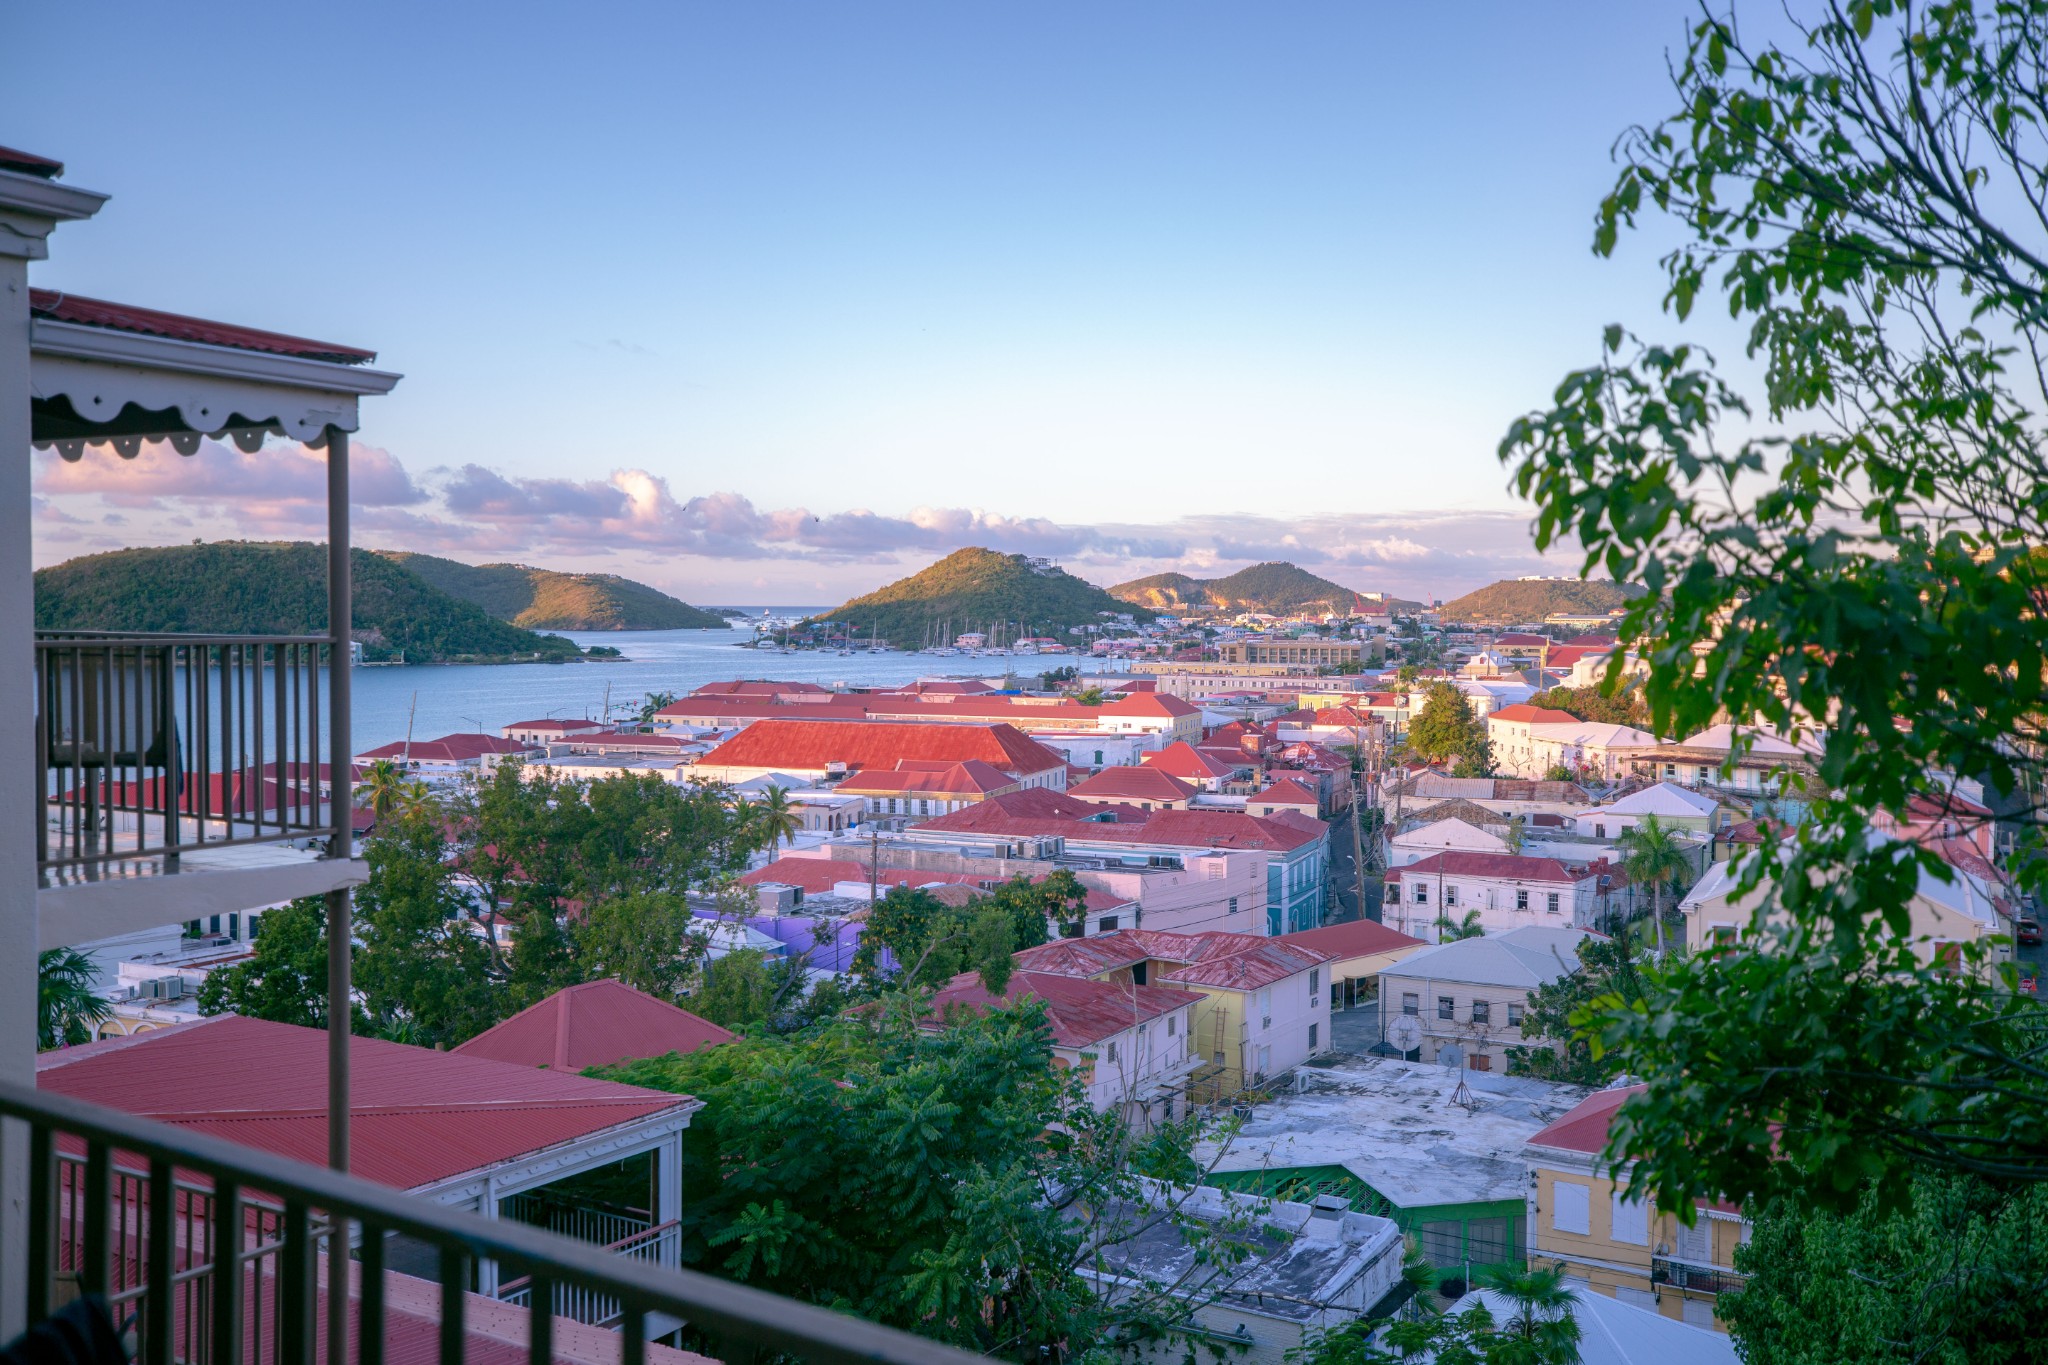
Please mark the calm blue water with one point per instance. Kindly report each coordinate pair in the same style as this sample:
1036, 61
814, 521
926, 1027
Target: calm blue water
470, 697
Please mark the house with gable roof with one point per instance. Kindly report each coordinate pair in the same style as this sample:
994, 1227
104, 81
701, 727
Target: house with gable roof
1507, 890
1468, 996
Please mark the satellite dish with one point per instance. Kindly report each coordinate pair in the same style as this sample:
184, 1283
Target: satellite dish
1405, 1032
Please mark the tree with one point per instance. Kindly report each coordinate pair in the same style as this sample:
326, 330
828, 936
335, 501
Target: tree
1445, 729
1449, 930
1598, 706
68, 1009
1089, 696
776, 820
649, 940
378, 792
421, 972
1946, 1279
1862, 569
650, 705
1655, 857
1032, 906
1606, 969
931, 942
1539, 1329
285, 977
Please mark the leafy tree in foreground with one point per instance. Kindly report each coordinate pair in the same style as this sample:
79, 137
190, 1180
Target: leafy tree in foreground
1952, 1279
1445, 729
68, 1009
1867, 197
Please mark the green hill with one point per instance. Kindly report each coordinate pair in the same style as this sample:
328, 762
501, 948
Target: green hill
975, 590
254, 588
1279, 588
1514, 601
542, 599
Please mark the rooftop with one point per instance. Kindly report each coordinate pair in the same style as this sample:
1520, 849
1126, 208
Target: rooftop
1080, 1010
1525, 958
1354, 938
1505, 866
58, 306
1396, 1126
596, 1023
808, 745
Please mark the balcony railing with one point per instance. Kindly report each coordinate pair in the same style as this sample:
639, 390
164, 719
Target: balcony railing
136, 1210
1700, 1279
157, 744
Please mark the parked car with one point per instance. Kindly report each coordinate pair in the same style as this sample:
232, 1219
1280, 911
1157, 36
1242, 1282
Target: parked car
2028, 931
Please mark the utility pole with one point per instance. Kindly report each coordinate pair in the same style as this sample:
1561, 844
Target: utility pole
874, 860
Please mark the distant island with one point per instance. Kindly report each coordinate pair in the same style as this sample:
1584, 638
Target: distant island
544, 599
1008, 596
1517, 601
280, 588
1277, 588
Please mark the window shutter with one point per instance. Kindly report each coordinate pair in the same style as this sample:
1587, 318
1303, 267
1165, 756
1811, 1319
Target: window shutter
1571, 1207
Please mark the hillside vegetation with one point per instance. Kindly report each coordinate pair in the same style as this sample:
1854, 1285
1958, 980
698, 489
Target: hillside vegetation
1279, 588
978, 589
1515, 600
254, 588
543, 599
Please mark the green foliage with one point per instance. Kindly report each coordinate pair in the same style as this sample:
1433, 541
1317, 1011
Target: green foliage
285, 977
418, 967
972, 589
1446, 730
1607, 968
1089, 696
543, 599
1538, 1329
1512, 600
905, 1176
1279, 588
1864, 567
1657, 858
1952, 1278
753, 993
253, 588
68, 1009
649, 940
932, 942
1624, 707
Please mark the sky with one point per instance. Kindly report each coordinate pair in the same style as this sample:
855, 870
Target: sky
779, 301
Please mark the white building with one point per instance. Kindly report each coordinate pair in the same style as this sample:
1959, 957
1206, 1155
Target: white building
1508, 891
1441, 836
1675, 807
1468, 997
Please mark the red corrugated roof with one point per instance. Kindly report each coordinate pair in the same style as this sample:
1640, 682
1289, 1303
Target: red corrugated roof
418, 1116
1354, 938
596, 1023
1133, 784
121, 317
754, 687
448, 748
1288, 792
1080, 1011
972, 778
1583, 1128
1540, 715
807, 745
1510, 866
1230, 961
1223, 829
1183, 760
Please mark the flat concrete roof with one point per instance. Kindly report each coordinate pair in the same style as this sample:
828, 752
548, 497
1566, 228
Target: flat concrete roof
1401, 1128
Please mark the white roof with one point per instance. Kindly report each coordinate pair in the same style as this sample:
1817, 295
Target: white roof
1615, 1333
1396, 1126
1588, 732
1525, 958
1452, 833
1723, 737
1664, 799
1967, 895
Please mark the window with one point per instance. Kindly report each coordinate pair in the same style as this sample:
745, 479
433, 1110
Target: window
1138, 973
1315, 983
235, 926
1446, 1007
1422, 893
1492, 1241
1312, 1037
1481, 1062
213, 925
1521, 899
1411, 1003
1695, 1243
1233, 905
1172, 1025
1266, 1008
1599, 831
1107, 924
1265, 1060
1631, 1220
1550, 903
1571, 1207
1698, 1312
1216, 1059
1443, 1243
1636, 1298
1482, 1011
1112, 1051
1098, 758
1450, 897
1514, 1015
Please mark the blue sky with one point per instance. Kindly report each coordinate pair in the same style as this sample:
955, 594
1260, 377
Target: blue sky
779, 300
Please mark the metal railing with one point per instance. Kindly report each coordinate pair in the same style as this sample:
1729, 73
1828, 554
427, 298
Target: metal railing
658, 1245
1700, 1279
138, 1211
154, 743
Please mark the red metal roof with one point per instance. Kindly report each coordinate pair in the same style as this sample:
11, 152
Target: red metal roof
972, 778
1583, 1128
448, 748
1539, 715
807, 745
1133, 784
1081, 1011
1288, 792
1183, 760
1231, 961
1223, 829
121, 317
28, 163
1354, 938
1266, 961
596, 1023
418, 1116
754, 687
1507, 866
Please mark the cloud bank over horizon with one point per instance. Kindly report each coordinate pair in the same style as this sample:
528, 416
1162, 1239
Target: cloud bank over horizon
720, 547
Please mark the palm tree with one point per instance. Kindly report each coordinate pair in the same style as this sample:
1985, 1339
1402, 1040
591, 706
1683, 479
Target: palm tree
1449, 932
1654, 856
380, 787
778, 819
68, 1009
1541, 1326
651, 703
416, 798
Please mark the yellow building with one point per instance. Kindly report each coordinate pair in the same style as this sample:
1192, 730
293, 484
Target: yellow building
1580, 1213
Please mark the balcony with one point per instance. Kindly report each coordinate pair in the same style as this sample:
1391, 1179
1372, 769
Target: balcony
134, 1210
1700, 1279
162, 754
